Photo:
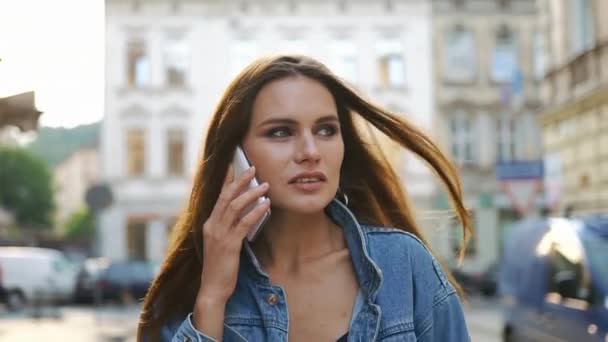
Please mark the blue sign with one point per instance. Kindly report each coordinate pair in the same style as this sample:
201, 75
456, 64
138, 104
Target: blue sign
520, 170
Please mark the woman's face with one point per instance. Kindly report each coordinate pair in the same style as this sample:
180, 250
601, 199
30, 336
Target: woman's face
295, 143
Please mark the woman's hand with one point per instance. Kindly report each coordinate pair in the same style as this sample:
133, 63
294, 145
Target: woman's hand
223, 235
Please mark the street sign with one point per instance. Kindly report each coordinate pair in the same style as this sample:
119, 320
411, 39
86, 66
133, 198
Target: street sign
99, 197
521, 181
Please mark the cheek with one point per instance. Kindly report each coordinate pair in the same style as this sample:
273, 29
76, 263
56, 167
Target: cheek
337, 158
269, 165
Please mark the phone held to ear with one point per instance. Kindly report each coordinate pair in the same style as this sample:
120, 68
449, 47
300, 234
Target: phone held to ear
240, 164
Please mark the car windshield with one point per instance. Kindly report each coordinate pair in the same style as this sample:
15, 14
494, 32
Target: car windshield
597, 253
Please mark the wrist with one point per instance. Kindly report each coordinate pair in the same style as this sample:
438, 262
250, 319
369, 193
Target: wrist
212, 295
208, 314
211, 300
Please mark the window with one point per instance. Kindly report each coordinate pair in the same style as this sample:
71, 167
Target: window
136, 239
391, 64
175, 151
505, 129
176, 56
136, 152
459, 57
504, 60
568, 276
463, 138
344, 59
244, 51
581, 25
138, 68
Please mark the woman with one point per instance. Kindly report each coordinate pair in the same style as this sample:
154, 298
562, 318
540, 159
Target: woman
325, 266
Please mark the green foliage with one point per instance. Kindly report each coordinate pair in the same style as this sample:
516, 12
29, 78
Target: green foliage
80, 224
56, 144
26, 187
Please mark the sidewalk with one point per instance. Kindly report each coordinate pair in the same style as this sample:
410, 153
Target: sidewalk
72, 324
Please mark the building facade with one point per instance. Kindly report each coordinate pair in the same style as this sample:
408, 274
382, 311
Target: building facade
167, 63
486, 78
575, 103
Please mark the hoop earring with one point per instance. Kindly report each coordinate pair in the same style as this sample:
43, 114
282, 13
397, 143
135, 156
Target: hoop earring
342, 196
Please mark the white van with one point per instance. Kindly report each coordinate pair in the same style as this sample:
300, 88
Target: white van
32, 274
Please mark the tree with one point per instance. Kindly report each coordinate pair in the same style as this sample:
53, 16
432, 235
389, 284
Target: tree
26, 187
80, 224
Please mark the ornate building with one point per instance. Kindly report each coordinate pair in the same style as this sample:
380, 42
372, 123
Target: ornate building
575, 103
488, 67
167, 63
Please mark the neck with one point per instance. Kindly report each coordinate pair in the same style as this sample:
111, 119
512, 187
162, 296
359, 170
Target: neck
290, 241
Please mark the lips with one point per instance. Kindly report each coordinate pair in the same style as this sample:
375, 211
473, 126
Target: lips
308, 177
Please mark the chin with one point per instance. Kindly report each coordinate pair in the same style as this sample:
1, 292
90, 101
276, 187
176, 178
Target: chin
306, 204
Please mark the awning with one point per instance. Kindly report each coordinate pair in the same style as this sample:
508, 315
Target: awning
19, 110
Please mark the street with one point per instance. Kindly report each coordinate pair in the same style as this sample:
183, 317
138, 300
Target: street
116, 323
484, 319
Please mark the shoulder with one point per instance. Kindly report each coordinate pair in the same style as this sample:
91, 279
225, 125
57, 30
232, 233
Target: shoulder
390, 247
414, 286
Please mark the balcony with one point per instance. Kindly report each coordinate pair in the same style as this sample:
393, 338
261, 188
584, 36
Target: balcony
578, 77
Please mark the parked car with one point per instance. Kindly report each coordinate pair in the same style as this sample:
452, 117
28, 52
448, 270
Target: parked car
35, 275
466, 280
487, 282
554, 280
126, 280
86, 280
484, 282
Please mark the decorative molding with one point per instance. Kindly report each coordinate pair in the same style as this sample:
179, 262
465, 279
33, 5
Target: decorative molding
174, 111
134, 111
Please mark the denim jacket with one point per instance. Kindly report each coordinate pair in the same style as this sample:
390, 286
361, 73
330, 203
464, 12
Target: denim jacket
406, 295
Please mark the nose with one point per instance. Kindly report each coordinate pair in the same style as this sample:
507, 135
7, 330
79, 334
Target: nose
307, 149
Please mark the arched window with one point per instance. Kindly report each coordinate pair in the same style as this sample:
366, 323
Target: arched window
138, 63
504, 60
176, 58
459, 57
344, 58
463, 134
391, 63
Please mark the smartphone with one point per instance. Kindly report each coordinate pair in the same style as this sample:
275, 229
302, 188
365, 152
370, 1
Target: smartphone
240, 164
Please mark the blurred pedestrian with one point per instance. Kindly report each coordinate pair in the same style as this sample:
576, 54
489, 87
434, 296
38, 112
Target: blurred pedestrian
326, 265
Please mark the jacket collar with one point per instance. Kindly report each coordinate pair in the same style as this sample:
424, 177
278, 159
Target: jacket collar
368, 273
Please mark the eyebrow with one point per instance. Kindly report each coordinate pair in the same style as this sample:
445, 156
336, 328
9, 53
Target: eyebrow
287, 121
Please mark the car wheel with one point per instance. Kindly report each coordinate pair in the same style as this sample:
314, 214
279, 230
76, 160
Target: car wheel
15, 300
509, 335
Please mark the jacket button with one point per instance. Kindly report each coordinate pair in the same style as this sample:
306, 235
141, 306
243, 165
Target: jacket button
272, 299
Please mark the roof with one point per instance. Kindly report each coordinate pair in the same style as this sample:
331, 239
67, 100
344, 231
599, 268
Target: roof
19, 110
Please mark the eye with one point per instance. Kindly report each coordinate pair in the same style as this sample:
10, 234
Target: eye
278, 132
328, 130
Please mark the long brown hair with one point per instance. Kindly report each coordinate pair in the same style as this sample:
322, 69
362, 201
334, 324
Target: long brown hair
375, 193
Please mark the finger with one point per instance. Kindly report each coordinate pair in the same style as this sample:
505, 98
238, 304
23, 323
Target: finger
229, 177
244, 200
246, 223
233, 190
223, 199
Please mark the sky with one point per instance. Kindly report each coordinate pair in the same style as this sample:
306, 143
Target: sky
55, 48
